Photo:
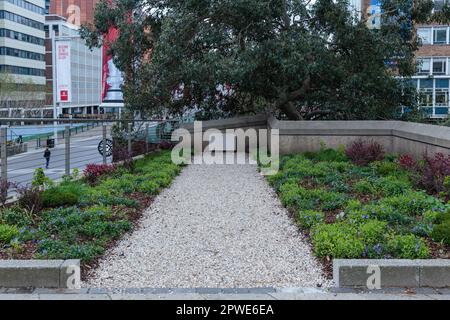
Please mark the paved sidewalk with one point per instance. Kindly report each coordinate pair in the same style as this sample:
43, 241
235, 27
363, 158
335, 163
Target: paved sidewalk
222, 294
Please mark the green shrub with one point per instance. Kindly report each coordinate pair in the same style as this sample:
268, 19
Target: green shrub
358, 216
69, 223
99, 229
150, 186
340, 167
386, 168
443, 215
353, 204
300, 168
392, 186
388, 213
329, 200
334, 181
421, 229
441, 232
329, 155
82, 234
364, 187
407, 247
337, 240
100, 195
26, 234
357, 173
290, 194
430, 216
41, 180
309, 218
124, 185
412, 203
16, 216
67, 194
163, 179
372, 232
57, 249
7, 233
294, 196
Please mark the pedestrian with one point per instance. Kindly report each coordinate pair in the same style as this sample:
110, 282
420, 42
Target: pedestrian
47, 154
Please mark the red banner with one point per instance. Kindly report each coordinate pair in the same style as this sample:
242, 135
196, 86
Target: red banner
109, 38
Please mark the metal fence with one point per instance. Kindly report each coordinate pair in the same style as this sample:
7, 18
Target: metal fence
73, 143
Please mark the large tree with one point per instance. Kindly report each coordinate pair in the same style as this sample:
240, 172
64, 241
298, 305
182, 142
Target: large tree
300, 58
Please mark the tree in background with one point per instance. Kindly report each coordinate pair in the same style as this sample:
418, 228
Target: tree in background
7, 89
294, 58
25, 98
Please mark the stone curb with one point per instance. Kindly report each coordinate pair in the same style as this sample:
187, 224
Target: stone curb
39, 273
223, 294
356, 273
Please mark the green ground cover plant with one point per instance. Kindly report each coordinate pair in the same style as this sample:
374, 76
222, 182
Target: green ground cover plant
81, 218
359, 202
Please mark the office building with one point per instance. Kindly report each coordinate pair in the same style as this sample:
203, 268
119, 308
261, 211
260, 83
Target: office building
432, 78
76, 68
22, 57
80, 12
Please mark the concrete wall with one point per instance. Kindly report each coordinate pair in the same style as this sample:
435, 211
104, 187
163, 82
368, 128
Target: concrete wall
395, 136
245, 122
302, 136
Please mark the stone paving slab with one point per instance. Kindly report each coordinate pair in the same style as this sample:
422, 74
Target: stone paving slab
229, 297
225, 294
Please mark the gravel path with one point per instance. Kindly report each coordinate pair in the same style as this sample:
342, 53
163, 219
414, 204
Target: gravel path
216, 226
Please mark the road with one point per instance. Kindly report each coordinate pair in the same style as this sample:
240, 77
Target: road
83, 151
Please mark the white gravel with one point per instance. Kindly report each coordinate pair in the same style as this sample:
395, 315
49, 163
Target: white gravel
216, 226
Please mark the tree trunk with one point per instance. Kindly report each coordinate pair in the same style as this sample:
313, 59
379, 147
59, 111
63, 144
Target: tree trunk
290, 111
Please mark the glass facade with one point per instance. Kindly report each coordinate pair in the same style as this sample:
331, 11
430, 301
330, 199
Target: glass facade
86, 70
22, 70
21, 20
27, 5
21, 36
433, 96
13, 52
22, 52
434, 35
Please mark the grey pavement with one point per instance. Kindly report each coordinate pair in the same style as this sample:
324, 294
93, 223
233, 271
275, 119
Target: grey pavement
223, 294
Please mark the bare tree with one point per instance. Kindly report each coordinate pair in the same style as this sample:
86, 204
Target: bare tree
20, 99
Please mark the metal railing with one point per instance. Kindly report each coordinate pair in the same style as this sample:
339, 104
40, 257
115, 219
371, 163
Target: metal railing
73, 143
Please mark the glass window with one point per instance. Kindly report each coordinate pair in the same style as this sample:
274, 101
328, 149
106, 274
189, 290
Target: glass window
423, 65
441, 97
441, 94
441, 111
426, 83
440, 36
424, 35
426, 97
426, 92
22, 20
442, 83
439, 66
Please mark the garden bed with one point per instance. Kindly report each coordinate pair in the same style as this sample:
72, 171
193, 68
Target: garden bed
358, 202
82, 218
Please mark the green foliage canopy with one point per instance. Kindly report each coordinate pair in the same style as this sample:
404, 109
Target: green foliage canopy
296, 58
